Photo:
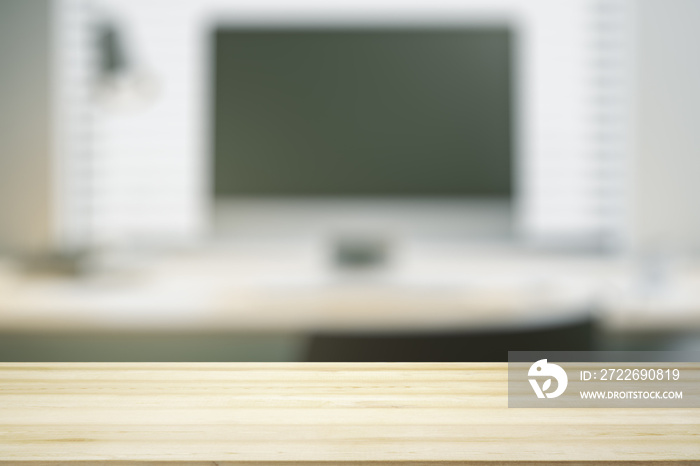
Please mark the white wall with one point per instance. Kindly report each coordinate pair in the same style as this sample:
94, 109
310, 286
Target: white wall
667, 127
25, 129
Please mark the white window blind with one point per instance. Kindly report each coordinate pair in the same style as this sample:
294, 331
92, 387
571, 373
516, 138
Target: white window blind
138, 170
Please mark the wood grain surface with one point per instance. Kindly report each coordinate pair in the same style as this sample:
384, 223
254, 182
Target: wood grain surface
220, 413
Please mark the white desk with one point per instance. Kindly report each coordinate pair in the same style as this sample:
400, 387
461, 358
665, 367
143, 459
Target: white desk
285, 291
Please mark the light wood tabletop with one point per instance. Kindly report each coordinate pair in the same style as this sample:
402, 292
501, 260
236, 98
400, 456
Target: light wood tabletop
226, 413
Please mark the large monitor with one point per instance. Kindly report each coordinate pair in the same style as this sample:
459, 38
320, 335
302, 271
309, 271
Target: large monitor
363, 112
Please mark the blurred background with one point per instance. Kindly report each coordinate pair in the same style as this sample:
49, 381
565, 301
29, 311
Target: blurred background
378, 180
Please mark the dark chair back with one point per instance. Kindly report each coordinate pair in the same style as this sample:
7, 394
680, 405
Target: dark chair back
463, 346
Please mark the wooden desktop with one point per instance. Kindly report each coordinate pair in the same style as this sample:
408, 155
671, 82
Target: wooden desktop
226, 414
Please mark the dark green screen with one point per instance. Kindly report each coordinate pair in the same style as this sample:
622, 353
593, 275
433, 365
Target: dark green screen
363, 112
